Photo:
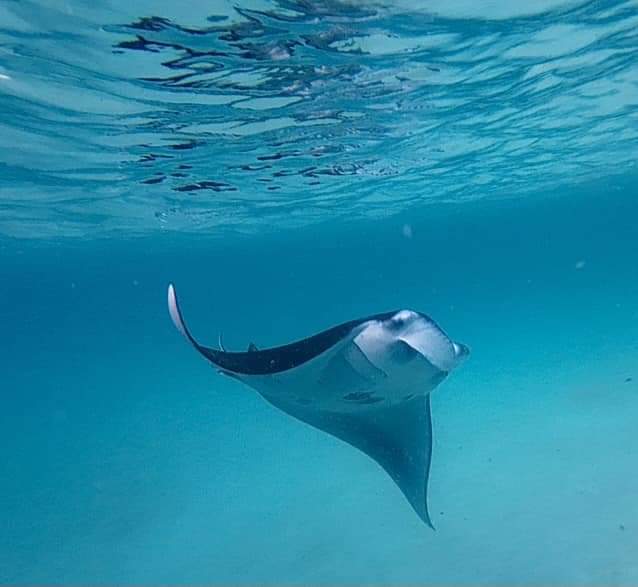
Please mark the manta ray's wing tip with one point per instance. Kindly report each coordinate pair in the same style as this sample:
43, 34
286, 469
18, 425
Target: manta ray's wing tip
173, 310
424, 514
178, 321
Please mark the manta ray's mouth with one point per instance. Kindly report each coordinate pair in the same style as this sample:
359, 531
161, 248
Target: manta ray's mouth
426, 337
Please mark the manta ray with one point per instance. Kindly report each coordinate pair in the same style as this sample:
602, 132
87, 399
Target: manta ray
367, 382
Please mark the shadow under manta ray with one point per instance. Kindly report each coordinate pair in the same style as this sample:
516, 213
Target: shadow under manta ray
367, 382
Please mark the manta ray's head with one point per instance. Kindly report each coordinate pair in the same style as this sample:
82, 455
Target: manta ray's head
425, 336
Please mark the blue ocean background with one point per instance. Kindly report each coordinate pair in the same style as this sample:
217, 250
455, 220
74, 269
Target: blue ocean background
291, 165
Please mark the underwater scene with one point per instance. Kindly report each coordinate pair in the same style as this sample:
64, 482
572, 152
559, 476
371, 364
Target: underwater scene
332, 292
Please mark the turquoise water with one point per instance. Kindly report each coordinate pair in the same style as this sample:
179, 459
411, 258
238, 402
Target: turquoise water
290, 166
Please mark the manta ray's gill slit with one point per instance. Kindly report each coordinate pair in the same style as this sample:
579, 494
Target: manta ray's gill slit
363, 397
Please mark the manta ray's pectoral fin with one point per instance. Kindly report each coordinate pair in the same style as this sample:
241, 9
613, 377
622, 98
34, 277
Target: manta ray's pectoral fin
176, 316
398, 437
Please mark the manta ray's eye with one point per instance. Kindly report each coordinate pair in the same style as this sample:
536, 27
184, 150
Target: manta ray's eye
396, 323
400, 318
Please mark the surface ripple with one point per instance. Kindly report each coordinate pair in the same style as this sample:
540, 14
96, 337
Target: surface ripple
217, 117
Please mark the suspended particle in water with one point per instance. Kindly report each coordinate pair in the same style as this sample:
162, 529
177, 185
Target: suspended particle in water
407, 231
580, 264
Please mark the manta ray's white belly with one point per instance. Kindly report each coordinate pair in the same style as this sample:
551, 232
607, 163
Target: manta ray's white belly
374, 368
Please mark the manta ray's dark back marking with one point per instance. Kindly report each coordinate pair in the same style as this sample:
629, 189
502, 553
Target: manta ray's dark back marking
289, 356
